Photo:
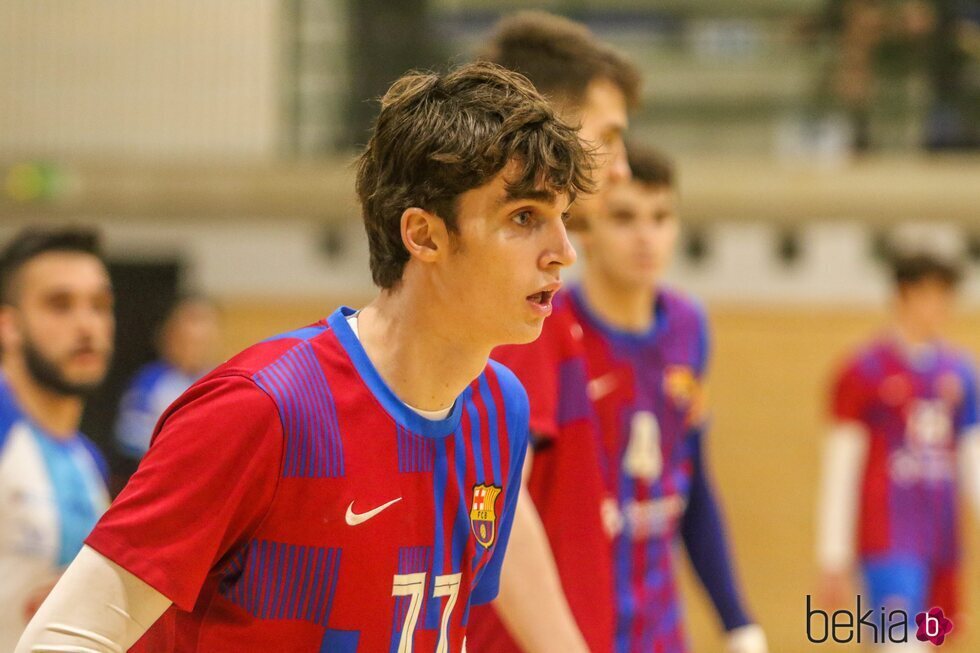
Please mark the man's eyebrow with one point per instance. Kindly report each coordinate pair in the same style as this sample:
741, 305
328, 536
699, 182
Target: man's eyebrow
537, 195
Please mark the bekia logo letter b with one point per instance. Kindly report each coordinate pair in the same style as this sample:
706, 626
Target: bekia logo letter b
933, 626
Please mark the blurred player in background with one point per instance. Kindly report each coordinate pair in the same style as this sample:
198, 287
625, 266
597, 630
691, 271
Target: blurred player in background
646, 356
189, 345
56, 332
591, 86
904, 409
350, 486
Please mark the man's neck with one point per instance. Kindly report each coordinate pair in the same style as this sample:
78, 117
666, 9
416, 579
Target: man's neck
912, 337
58, 414
419, 356
627, 309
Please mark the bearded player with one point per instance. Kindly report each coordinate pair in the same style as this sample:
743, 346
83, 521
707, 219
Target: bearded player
350, 486
905, 442
56, 329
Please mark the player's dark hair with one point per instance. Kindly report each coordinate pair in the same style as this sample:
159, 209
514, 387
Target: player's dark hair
910, 269
561, 57
32, 242
649, 166
438, 136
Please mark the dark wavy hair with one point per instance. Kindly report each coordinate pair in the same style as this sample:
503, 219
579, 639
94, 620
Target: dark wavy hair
561, 57
650, 166
34, 241
910, 269
438, 136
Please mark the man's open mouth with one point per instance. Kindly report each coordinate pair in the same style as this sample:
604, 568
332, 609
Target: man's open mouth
542, 298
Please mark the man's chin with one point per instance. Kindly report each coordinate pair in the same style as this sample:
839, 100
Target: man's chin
530, 333
81, 385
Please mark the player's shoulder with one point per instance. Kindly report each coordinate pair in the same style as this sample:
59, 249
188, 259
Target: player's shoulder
276, 368
512, 392
272, 352
866, 361
960, 360
511, 388
683, 310
9, 411
149, 374
96, 455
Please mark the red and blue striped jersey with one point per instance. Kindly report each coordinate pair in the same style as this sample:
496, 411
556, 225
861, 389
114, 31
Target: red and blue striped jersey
291, 502
566, 481
914, 408
646, 390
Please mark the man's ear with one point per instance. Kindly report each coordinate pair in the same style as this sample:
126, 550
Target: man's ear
424, 234
9, 332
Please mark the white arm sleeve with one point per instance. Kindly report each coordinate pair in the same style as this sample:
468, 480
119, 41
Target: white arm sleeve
96, 607
969, 460
844, 457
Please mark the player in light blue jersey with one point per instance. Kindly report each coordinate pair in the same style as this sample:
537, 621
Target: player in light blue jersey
189, 342
56, 334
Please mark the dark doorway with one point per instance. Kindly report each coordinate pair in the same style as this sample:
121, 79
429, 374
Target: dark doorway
144, 292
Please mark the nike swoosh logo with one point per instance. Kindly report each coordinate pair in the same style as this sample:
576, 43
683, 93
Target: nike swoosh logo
353, 518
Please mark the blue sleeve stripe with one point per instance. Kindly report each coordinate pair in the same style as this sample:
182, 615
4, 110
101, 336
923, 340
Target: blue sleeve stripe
273, 580
296, 383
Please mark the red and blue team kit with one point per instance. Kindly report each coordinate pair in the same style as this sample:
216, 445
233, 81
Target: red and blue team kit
291, 502
617, 422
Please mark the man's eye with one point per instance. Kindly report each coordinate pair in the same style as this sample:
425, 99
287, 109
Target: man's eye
523, 218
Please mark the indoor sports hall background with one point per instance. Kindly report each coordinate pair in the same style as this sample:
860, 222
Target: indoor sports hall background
211, 141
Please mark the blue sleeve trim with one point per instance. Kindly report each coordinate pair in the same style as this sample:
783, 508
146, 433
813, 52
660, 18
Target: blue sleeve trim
706, 541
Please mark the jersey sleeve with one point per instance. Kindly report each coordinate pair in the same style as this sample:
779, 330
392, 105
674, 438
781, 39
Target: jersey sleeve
848, 395
206, 483
968, 417
516, 400
706, 540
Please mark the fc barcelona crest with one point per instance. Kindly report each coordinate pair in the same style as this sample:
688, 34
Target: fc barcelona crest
483, 515
680, 384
